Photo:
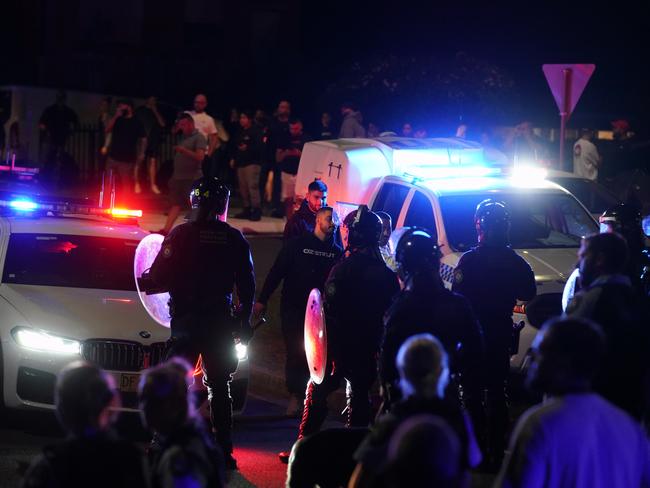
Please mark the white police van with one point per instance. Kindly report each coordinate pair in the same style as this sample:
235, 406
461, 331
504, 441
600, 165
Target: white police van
67, 292
436, 184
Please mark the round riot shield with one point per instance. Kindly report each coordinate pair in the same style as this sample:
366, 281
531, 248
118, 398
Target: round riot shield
316, 337
157, 305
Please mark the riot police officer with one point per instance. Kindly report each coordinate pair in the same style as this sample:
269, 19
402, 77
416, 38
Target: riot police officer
493, 277
358, 292
199, 264
626, 220
426, 306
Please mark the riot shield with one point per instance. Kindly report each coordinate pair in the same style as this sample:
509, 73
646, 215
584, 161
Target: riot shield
316, 337
156, 304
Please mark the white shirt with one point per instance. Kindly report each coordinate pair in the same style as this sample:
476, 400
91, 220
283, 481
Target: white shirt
576, 441
204, 124
585, 159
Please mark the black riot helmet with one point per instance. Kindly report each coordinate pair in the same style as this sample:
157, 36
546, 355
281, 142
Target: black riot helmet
365, 229
492, 221
416, 251
209, 198
624, 219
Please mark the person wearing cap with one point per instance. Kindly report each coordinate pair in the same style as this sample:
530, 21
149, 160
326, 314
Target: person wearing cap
585, 156
493, 278
426, 306
358, 292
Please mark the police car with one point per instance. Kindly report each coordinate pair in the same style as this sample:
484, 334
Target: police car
436, 184
68, 292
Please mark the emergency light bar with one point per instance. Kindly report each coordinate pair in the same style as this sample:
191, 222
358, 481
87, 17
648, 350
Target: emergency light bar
26, 205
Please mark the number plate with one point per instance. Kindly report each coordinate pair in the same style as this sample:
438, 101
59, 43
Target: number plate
128, 382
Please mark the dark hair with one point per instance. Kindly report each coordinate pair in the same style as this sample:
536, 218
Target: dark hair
577, 344
322, 210
125, 101
317, 185
248, 113
295, 121
612, 247
82, 392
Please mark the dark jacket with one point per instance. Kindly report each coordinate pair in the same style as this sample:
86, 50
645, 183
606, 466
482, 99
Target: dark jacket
359, 290
301, 222
624, 377
99, 461
190, 456
428, 307
200, 263
493, 278
303, 264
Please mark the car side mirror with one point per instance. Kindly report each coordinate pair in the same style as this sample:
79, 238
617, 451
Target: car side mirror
645, 225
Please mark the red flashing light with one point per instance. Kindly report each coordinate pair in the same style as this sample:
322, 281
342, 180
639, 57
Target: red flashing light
125, 213
198, 369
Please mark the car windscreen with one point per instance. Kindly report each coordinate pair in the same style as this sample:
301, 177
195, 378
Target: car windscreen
595, 197
538, 220
70, 260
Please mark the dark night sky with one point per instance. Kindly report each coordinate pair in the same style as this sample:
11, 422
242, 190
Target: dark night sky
518, 37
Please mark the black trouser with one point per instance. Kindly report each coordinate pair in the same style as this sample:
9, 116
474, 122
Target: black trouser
192, 336
296, 371
360, 371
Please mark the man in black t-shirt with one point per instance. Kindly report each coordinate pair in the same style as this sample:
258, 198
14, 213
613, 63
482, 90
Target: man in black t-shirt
57, 122
288, 157
127, 146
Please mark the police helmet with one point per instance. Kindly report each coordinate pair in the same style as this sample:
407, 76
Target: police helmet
209, 197
492, 219
365, 229
415, 249
621, 218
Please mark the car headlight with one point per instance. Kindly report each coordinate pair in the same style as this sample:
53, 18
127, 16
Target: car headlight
242, 351
42, 341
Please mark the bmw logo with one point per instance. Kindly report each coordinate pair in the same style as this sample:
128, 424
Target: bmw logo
145, 334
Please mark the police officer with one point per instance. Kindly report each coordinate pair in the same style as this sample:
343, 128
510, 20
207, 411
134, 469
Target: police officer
426, 306
626, 220
358, 292
199, 264
493, 277
304, 263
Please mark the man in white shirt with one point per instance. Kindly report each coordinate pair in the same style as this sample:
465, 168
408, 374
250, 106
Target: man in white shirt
206, 126
585, 156
575, 438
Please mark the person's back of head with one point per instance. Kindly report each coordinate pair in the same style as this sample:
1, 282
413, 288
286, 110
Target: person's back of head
84, 395
423, 367
164, 397
423, 452
567, 354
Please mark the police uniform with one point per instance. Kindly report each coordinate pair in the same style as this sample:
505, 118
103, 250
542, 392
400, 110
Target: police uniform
358, 292
199, 264
428, 307
303, 264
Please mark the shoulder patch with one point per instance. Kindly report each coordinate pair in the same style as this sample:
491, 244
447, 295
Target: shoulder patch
167, 251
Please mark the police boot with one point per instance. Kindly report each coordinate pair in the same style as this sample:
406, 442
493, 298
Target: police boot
244, 214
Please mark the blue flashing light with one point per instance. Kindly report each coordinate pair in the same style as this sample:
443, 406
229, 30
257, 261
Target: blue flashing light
453, 171
23, 205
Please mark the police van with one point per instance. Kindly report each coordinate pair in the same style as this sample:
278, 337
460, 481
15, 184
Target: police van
68, 292
437, 184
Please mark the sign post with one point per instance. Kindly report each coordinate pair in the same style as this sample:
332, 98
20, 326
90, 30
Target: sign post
567, 82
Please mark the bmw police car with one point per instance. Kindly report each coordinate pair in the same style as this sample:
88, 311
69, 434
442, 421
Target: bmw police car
437, 184
68, 292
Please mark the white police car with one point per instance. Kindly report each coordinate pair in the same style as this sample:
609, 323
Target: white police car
437, 184
67, 292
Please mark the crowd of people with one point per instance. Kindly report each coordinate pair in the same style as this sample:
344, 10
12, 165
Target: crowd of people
259, 154
440, 358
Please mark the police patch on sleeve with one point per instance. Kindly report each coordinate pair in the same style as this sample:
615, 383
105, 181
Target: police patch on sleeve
167, 252
458, 276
